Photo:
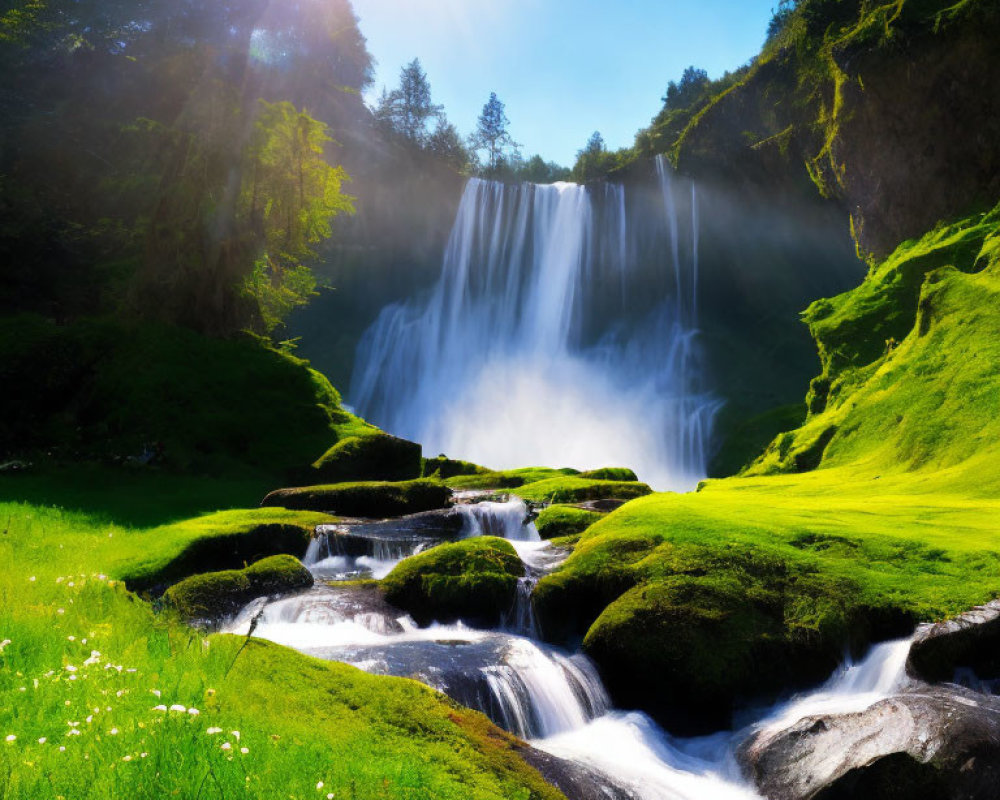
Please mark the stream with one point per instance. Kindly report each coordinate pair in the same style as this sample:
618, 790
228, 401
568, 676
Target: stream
552, 699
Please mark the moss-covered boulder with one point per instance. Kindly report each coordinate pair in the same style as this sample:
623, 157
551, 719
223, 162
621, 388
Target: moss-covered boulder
560, 520
474, 580
214, 595
373, 499
609, 474
577, 489
444, 468
378, 456
507, 479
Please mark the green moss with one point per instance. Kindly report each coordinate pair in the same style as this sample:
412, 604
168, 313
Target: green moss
572, 489
474, 580
610, 474
215, 595
225, 540
507, 479
443, 468
376, 499
376, 456
928, 401
559, 520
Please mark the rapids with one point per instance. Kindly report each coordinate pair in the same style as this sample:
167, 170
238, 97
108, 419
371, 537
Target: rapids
553, 699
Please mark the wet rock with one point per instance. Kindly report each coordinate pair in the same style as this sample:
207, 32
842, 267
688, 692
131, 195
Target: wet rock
573, 779
930, 743
405, 534
370, 499
968, 641
214, 595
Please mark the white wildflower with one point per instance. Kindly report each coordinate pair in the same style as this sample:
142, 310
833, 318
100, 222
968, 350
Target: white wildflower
159, 708
155, 692
42, 740
126, 758
236, 735
11, 738
213, 731
194, 712
113, 732
319, 785
244, 750
178, 708
225, 746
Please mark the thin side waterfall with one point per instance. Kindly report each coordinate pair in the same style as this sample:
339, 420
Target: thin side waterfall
560, 332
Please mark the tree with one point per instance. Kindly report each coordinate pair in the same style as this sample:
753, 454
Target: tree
692, 84
289, 196
491, 133
595, 145
446, 144
408, 109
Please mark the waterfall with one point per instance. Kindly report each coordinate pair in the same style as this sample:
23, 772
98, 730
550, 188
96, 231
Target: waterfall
509, 520
559, 332
341, 551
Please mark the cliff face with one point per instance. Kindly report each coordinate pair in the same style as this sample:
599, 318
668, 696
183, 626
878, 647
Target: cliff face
892, 111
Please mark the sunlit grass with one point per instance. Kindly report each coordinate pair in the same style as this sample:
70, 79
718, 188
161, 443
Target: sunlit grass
101, 697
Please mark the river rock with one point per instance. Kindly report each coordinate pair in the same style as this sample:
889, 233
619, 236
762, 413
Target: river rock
573, 779
931, 743
970, 640
369, 499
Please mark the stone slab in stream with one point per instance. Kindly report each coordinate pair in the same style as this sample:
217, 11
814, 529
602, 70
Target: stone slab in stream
927, 743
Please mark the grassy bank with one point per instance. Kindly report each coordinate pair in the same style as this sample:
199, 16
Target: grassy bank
90, 674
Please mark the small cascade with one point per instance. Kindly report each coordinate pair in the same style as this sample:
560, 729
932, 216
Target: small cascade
854, 687
540, 692
510, 520
341, 552
521, 620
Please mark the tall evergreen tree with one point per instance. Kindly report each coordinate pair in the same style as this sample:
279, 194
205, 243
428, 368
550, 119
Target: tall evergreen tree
491, 133
408, 109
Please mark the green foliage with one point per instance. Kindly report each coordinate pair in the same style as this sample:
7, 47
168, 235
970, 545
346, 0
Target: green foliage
377, 499
609, 474
559, 521
289, 196
140, 207
362, 736
474, 580
160, 396
214, 595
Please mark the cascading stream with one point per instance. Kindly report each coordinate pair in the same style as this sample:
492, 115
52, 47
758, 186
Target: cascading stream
554, 700
549, 339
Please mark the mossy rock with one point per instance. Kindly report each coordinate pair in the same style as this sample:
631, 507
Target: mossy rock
373, 499
474, 580
444, 468
575, 489
509, 478
609, 474
214, 595
560, 520
378, 457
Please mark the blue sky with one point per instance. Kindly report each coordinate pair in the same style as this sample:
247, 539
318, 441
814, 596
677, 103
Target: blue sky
564, 68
